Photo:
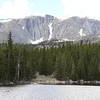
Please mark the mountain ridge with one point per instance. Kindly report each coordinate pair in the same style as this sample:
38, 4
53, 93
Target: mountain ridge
36, 29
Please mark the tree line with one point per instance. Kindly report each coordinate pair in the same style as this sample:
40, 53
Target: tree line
65, 62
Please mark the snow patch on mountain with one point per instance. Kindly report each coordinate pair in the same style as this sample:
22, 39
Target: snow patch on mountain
65, 40
50, 29
5, 20
68, 39
81, 33
37, 41
23, 27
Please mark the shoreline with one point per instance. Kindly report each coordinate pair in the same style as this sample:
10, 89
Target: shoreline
52, 82
70, 82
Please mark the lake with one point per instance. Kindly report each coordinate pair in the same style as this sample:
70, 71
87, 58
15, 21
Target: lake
50, 92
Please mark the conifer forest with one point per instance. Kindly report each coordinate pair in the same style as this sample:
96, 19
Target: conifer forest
19, 62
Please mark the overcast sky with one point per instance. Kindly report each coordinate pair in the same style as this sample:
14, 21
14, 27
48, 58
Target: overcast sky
60, 8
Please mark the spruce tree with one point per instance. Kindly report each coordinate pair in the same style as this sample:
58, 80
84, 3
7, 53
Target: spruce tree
10, 59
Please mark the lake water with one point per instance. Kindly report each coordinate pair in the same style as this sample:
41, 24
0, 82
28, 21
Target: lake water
50, 92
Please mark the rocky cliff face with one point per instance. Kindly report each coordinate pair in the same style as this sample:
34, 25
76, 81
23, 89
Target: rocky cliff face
36, 29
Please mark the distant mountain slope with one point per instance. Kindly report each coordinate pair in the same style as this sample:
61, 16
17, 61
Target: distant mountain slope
36, 29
